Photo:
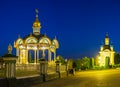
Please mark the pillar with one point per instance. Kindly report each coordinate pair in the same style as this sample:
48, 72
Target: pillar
55, 56
26, 56
18, 54
23, 54
58, 67
35, 56
7, 70
43, 54
10, 66
112, 58
49, 55
20, 57
43, 69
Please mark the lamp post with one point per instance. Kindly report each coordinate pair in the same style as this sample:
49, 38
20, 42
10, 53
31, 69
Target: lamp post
66, 66
43, 67
58, 67
10, 67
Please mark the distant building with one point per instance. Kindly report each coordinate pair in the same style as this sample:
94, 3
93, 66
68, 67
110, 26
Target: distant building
106, 54
38, 43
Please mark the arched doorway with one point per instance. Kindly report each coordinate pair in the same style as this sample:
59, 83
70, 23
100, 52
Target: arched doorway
107, 61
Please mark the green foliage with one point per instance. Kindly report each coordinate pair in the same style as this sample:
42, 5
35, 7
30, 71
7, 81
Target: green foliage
86, 62
74, 65
116, 66
61, 59
99, 67
117, 58
78, 64
93, 62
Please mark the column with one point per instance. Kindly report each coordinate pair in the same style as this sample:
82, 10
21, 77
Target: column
7, 69
49, 55
23, 56
12, 70
18, 54
55, 55
20, 57
43, 54
26, 56
35, 56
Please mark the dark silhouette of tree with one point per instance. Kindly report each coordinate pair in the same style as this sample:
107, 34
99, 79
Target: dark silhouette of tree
117, 58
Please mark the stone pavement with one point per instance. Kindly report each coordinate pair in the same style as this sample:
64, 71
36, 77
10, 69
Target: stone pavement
103, 78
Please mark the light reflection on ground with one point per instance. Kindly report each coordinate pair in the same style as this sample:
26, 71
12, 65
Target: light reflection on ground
103, 78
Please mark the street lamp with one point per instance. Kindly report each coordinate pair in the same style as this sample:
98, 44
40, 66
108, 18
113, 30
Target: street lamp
58, 66
10, 67
43, 67
66, 62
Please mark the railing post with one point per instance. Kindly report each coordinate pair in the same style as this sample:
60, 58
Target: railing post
43, 69
10, 69
58, 67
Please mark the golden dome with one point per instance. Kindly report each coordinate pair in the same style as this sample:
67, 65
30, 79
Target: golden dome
36, 24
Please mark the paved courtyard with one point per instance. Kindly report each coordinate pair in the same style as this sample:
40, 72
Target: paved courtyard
103, 78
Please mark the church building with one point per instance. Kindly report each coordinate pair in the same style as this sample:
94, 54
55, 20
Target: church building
106, 54
39, 44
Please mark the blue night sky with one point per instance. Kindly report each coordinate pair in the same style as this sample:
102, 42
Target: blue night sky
79, 25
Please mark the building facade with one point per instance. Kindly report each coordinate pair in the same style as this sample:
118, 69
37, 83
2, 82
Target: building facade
106, 54
38, 43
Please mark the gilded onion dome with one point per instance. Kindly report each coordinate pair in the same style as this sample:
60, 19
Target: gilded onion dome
36, 23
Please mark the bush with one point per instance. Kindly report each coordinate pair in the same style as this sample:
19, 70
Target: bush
99, 67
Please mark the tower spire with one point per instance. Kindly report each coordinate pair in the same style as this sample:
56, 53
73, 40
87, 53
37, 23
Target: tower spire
36, 25
107, 39
9, 49
107, 35
36, 10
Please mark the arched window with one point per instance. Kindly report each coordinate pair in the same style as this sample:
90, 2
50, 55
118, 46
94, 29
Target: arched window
19, 41
45, 40
31, 40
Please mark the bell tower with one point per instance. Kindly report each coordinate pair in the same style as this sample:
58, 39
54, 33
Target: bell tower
106, 40
36, 25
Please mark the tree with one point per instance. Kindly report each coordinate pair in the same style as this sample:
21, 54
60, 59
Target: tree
61, 59
86, 62
78, 64
117, 58
92, 62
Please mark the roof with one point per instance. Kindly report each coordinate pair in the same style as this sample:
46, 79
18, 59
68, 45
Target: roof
106, 47
9, 55
36, 36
